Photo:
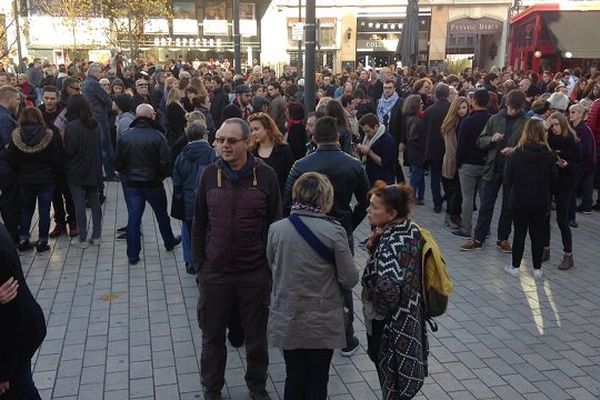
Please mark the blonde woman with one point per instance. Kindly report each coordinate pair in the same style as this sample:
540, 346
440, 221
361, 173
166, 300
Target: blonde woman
530, 172
175, 116
459, 109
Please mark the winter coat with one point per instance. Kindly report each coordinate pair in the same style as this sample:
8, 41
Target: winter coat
278, 111
143, 154
432, 121
7, 126
83, 157
593, 120
231, 219
307, 306
531, 173
297, 139
36, 153
497, 123
347, 176
123, 122
470, 128
414, 152
99, 101
588, 147
569, 150
281, 160
218, 102
449, 161
22, 320
385, 147
176, 122
392, 293
188, 168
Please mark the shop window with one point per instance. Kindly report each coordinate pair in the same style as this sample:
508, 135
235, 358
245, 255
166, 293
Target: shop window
326, 36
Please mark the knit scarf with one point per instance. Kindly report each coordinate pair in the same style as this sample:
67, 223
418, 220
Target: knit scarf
297, 206
245, 171
370, 141
289, 125
384, 107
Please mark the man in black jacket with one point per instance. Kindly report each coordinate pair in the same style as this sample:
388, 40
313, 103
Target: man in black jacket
219, 99
348, 178
144, 157
434, 142
23, 326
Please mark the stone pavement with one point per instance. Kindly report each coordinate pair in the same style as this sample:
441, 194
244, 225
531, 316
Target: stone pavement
502, 338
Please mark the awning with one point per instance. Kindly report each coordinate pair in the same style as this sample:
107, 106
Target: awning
576, 32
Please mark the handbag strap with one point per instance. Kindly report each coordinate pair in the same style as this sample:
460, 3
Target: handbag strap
313, 241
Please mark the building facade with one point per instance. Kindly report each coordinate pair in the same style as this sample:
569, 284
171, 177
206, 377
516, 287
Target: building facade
367, 32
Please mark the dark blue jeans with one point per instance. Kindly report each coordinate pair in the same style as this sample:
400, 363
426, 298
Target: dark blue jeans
489, 194
417, 181
29, 194
136, 202
22, 386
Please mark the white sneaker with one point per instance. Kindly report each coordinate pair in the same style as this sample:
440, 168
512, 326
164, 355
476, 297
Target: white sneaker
78, 244
95, 242
537, 273
512, 271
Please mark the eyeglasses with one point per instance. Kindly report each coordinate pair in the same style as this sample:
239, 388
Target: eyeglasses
230, 140
142, 85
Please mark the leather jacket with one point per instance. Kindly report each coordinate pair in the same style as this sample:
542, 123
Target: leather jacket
143, 155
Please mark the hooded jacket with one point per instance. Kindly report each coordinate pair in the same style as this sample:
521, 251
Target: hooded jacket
531, 173
36, 153
188, 167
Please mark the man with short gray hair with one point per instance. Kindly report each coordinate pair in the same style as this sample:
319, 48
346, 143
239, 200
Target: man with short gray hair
238, 198
100, 104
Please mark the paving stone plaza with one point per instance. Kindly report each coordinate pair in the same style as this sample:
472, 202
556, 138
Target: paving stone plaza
117, 331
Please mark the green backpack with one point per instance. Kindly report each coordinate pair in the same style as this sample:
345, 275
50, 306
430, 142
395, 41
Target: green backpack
436, 282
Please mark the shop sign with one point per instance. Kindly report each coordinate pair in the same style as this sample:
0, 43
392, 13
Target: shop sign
471, 26
376, 45
186, 42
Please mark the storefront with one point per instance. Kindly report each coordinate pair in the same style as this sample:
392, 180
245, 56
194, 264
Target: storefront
197, 30
377, 40
556, 36
475, 38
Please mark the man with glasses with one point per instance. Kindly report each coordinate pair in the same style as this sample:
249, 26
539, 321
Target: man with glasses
238, 198
70, 86
143, 156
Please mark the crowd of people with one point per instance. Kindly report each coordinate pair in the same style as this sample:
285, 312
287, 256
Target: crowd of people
264, 191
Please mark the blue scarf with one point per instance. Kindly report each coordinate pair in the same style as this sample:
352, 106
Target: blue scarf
244, 172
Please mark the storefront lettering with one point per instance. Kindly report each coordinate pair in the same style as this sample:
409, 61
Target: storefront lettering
481, 26
374, 44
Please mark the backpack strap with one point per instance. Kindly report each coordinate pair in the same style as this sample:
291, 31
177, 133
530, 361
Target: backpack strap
313, 241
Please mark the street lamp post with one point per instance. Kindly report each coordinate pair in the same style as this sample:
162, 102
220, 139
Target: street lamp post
299, 65
237, 58
18, 35
309, 51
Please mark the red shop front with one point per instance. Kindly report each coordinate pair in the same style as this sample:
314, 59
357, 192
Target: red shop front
554, 36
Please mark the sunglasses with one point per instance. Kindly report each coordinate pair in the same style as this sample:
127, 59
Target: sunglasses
230, 140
